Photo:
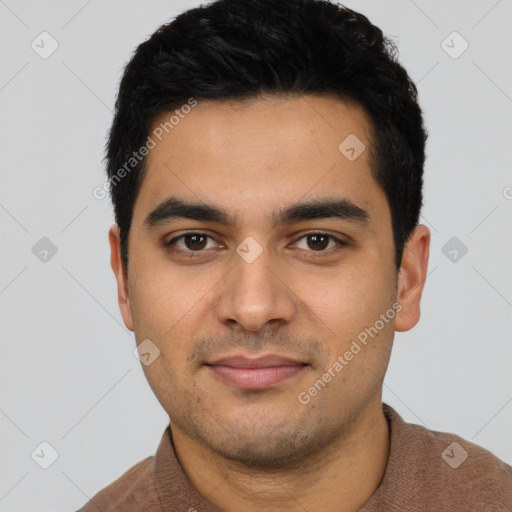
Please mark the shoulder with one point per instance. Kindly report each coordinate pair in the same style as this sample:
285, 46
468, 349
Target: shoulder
133, 489
445, 468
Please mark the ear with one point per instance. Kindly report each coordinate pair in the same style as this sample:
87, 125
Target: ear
411, 278
116, 262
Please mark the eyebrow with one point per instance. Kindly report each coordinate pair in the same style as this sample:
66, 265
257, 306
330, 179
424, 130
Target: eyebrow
174, 208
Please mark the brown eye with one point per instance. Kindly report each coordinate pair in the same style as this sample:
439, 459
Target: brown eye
190, 244
195, 242
319, 242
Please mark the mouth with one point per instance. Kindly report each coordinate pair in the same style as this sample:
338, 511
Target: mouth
256, 373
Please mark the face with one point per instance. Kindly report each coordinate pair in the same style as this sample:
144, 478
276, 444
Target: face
254, 235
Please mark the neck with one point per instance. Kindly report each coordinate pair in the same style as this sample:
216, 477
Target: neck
342, 478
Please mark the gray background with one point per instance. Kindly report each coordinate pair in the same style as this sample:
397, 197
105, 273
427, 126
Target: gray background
68, 373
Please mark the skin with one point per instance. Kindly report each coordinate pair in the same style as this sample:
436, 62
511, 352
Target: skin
264, 450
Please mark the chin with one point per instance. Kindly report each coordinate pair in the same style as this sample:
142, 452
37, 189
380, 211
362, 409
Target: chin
267, 448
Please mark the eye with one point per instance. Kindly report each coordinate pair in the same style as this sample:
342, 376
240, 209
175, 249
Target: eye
189, 243
196, 243
319, 242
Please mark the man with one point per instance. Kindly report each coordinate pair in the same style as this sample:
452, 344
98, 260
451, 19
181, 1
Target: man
265, 164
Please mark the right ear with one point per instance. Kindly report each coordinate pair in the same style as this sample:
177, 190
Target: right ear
116, 262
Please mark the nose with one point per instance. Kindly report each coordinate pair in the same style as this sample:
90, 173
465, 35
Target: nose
256, 294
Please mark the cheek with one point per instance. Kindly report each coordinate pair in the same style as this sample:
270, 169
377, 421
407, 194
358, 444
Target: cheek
344, 304
154, 302
165, 302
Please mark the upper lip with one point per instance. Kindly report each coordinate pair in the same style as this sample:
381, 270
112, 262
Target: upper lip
243, 361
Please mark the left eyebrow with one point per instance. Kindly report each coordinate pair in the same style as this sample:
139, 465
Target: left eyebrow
175, 208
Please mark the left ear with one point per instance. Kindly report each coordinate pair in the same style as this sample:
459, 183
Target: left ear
411, 278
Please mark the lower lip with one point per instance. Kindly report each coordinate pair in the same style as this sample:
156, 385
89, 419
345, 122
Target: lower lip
256, 378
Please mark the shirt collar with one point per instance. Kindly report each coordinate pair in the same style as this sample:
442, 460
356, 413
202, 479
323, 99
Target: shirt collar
178, 494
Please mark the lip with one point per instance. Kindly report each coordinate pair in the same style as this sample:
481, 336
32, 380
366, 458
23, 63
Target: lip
243, 361
257, 372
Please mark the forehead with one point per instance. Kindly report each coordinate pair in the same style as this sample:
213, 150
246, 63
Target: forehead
262, 153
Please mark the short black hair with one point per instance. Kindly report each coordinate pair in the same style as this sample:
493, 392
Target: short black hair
242, 49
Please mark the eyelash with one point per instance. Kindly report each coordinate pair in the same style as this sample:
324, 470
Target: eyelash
194, 254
